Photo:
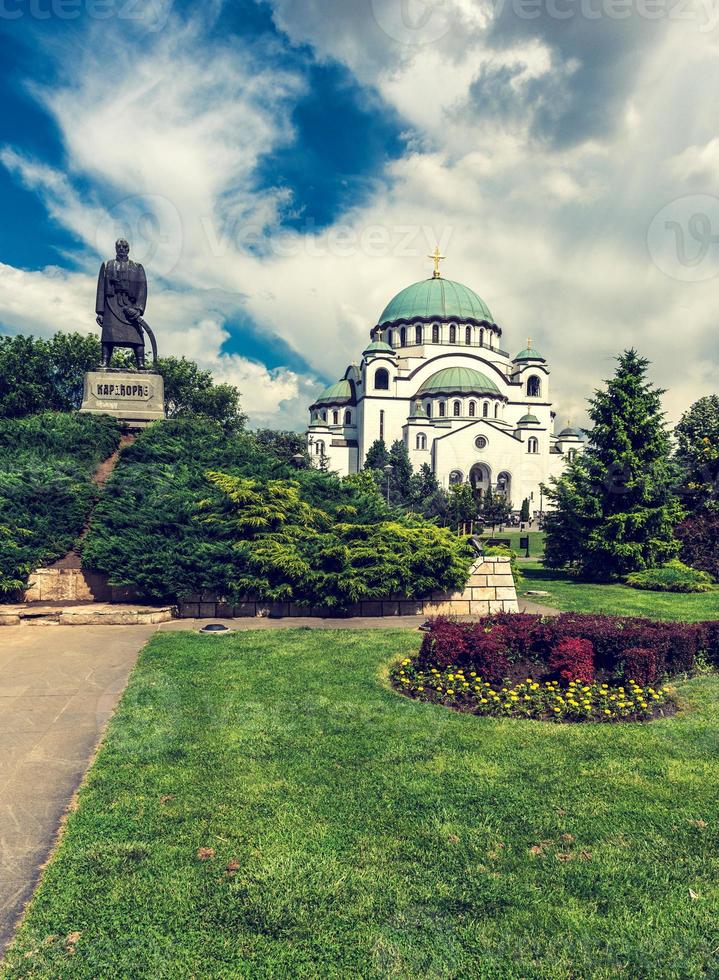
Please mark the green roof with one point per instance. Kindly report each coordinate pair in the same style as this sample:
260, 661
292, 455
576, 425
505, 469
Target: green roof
378, 347
528, 419
337, 394
529, 354
459, 379
438, 298
569, 431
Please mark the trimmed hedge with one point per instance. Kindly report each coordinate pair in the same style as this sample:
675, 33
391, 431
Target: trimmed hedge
575, 645
675, 576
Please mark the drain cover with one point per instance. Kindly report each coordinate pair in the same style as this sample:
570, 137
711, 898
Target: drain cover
214, 628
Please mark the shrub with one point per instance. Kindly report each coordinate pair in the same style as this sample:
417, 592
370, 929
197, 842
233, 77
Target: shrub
699, 539
572, 659
640, 665
534, 640
675, 576
487, 651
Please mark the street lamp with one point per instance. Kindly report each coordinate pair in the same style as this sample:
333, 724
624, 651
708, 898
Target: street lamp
388, 471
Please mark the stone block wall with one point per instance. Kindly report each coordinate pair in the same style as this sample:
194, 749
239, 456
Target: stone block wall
74, 585
490, 589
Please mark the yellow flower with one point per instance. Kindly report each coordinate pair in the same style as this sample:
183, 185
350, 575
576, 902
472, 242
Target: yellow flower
607, 711
556, 710
450, 692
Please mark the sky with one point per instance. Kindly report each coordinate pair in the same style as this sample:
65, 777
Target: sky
282, 168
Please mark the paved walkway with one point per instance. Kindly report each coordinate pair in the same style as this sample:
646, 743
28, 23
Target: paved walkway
58, 687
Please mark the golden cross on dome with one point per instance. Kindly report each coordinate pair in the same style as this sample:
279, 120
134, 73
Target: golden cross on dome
529, 343
437, 259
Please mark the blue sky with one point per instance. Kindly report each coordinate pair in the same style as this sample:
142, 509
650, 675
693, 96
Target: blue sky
282, 169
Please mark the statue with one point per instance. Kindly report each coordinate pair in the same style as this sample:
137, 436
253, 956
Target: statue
121, 299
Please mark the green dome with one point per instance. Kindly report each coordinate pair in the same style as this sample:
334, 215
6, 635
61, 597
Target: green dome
378, 347
337, 394
569, 432
438, 298
528, 420
529, 354
458, 379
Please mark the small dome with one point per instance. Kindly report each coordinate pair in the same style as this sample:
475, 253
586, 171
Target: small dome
340, 393
528, 419
571, 433
436, 298
379, 347
529, 354
458, 379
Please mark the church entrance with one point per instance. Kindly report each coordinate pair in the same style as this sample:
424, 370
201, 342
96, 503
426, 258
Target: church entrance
480, 476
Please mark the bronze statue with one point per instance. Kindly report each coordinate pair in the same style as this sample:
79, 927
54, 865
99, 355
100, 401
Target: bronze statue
121, 299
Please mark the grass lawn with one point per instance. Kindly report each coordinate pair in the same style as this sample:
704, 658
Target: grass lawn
371, 835
536, 540
616, 600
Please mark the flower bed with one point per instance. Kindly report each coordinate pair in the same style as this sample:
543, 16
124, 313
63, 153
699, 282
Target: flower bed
573, 667
465, 690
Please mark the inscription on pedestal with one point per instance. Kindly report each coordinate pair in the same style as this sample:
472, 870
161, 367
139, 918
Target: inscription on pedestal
133, 398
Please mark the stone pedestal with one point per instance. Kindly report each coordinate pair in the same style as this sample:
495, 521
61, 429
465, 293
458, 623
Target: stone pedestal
136, 398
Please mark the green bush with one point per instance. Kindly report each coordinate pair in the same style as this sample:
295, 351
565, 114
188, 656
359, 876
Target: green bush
675, 576
191, 508
46, 493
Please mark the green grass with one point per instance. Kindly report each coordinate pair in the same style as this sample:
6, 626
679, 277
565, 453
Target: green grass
536, 540
375, 836
616, 600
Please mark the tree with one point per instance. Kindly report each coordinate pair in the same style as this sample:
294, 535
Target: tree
524, 512
377, 456
615, 505
38, 375
495, 508
462, 509
401, 475
697, 453
189, 390
285, 445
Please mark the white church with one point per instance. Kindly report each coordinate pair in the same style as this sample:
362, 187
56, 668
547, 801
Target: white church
434, 374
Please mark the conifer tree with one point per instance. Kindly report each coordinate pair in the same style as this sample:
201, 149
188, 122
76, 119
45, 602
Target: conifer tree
377, 456
615, 505
524, 513
401, 476
697, 453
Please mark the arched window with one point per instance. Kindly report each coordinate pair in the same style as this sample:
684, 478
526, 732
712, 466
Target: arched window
452, 334
441, 410
457, 409
481, 338
381, 424
435, 333
496, 409
532, 445
534, 387
348, 418
455, 477
421, 441
472, 409
418, 334
381, 379
324, 416
571, 455
402, 337
319, 448
468, 335
335, 417
485, 410
428, 409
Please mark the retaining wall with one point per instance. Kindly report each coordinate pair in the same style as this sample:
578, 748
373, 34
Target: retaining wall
490, 589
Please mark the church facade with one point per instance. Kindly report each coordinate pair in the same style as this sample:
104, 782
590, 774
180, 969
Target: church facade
434, 374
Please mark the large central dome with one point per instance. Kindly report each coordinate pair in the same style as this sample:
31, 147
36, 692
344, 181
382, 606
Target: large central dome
436, 298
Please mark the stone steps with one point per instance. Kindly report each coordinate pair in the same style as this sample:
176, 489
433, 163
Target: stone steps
84, 614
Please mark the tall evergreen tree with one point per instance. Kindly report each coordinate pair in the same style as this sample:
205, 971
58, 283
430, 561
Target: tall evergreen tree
401, 476
377, 456
495, 508
524, 512
697, 453
462, 506
615, 505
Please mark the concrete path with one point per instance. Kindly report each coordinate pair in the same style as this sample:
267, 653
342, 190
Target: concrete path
58, 687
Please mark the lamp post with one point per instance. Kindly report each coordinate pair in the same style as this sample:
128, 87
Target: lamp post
388, 472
